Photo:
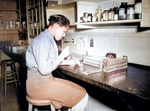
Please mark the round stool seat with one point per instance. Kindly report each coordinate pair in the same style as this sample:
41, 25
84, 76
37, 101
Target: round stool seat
8, 61
38, 102
35, 102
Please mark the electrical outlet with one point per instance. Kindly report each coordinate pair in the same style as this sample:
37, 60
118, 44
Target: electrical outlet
91, 42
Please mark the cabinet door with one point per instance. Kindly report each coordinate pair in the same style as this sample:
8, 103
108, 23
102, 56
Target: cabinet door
145, 13
68, 10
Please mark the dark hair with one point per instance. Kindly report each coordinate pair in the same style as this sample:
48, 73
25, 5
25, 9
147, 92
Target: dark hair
60, 19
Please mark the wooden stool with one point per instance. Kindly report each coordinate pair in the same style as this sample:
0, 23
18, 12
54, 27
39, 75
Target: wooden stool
38, 103
10, 76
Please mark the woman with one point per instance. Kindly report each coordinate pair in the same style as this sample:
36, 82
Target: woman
42, 58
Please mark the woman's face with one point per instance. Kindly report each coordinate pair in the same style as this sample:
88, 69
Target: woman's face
60, 32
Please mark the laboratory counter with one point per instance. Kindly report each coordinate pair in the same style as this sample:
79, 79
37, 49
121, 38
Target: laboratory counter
133, 86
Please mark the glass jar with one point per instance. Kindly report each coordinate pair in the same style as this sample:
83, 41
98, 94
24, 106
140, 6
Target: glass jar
130, 12
116, 13
111, 14
123, 11
81, 19
138, 9
105, 15
93, 19
85, 17
89, 17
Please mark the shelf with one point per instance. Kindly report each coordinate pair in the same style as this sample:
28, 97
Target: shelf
9, 31
111, 22
10, 10
32, 36
11, 19
107, 23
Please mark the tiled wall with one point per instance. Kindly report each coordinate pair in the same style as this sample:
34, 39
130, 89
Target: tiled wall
121, 40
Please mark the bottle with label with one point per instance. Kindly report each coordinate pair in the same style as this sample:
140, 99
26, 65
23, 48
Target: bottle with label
98, 13
138, 9
116, 13
105, 15
130, 12
111, 14
89, 17
81, 19
123, 11
85, 17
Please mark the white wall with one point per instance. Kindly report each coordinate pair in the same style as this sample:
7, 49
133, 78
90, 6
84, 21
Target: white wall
121, 40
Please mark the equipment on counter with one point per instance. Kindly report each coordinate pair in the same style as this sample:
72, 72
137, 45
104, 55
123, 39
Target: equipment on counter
92, 64
115, 66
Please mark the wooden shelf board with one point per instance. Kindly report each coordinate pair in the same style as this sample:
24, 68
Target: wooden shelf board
10, 10
8, 31
33, 36
111, 22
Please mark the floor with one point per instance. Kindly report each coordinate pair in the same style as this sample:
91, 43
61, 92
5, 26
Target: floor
12, 101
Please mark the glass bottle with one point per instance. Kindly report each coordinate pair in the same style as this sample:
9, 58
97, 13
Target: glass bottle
116, 13
89, 17
111, 14
105, 15
130, 12
138, 9
85, 17
99, 13
123, 11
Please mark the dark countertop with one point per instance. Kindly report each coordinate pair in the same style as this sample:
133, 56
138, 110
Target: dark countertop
135, 82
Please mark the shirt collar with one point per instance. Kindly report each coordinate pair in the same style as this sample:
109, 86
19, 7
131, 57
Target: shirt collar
49, 34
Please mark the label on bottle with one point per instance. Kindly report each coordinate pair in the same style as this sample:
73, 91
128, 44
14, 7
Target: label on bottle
122, 14
104, 18
109, 16
130, 13
116, 17
138, 8
89, 18
85, 19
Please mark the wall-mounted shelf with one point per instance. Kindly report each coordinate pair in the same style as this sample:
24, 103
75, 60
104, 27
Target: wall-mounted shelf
111, 22
74, 10
104, 23
10, 10
10, 15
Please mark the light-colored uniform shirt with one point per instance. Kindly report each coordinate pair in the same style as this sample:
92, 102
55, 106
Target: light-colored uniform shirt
42, 53
41, 58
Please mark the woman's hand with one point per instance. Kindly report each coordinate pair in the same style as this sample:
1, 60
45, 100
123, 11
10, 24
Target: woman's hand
65, 52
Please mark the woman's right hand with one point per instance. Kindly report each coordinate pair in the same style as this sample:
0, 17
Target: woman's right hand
65, 52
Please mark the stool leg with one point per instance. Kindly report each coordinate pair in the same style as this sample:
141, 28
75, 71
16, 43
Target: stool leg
17, 75
70, 109
2, 77
30, 107
35, 109
5, 78
52, 107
